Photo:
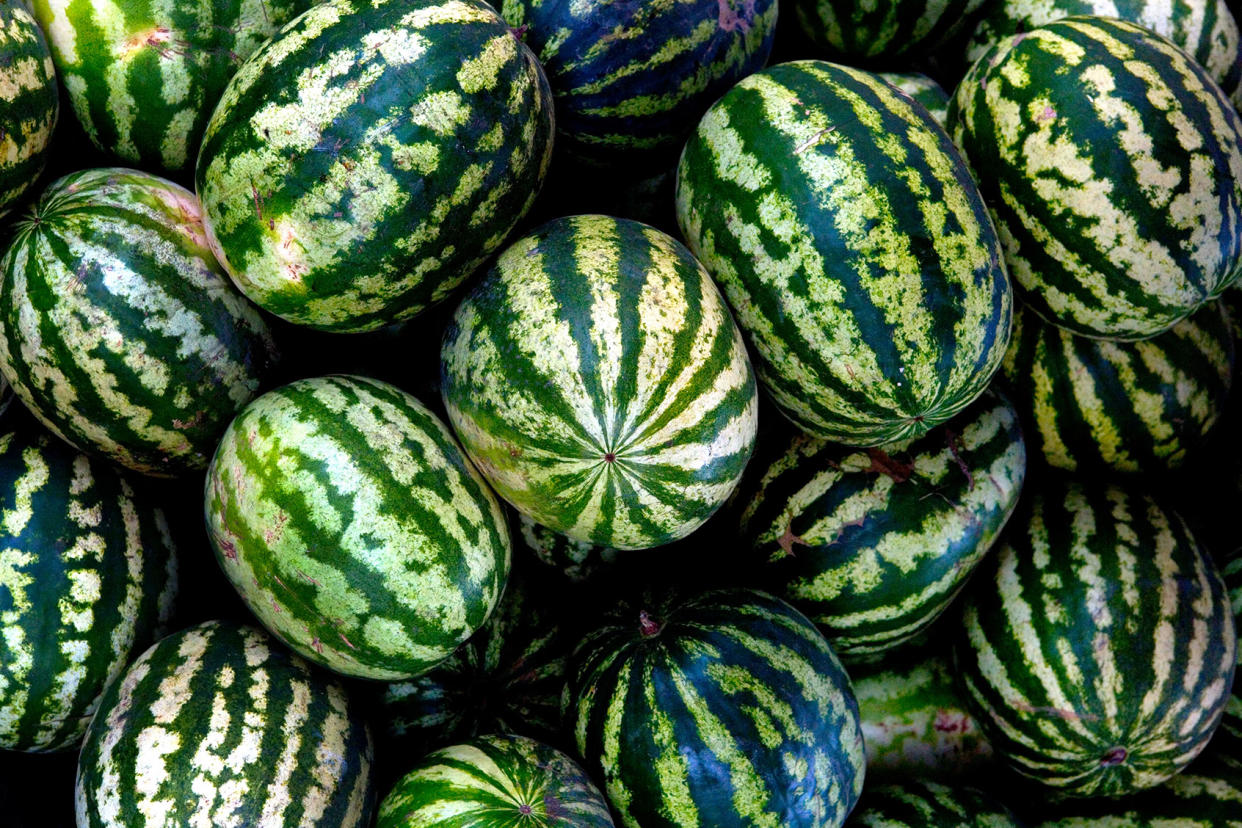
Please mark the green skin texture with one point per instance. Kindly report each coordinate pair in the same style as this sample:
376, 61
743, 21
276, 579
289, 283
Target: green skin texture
1097, 648
119, 330
219, 724
873, 545
724, 708
923, 90
87, 578
921, 804
1119, 216
1136, 407
853, 247
499, 781
29, 104
143, 76
1227, 743
354, 527
596, 378
885, 32
347, 206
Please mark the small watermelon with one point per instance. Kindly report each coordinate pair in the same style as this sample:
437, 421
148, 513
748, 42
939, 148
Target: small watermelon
29, 102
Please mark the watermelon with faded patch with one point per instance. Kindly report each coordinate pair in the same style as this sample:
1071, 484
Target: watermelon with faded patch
119, 330
853, 246
915, 803
884, 32
354, 527
363, 162
924, 90
29, 101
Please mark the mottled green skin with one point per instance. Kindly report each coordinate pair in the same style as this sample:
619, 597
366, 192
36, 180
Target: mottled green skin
218, 725
1090, 404
889, 32
87, 579
923, 90
354, 527
874, 544
596, 378
348, 205
144, 75
29, 103
725, 708
1097, 648
852, 245
632, 79
1227, 743
921, 804
499, 781
119, 330
1113, 166
578, 561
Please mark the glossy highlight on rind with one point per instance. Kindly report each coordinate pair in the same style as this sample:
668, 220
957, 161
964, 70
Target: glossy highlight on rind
29, 103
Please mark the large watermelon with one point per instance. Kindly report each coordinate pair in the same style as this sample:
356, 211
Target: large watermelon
219, 726
890, 32
1098, 647
873, 544
919, 804
724, 708
87, 576
29, 102
1113, 166
632, 79
1127, 406
368, 158
354, 527
596, 378
144, 75
853, 246
117, 327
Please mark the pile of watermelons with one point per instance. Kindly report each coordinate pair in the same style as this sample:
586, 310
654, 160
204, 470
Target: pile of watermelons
650, 413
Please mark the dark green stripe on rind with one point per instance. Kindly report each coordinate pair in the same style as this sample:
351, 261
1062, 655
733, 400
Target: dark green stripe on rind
881, 31
367, 159
87, 578
923, 90
1112, 164
1227, 743
1126, 406
354, 526
728, 708
117, 327
218, 725
873, 545
1098, 646
853, 246
29, 102
921, 804
596, 378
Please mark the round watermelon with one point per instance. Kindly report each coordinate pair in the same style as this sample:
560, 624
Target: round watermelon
853, 246
596, 378
117, 327
363, 162
353, 526
29, 102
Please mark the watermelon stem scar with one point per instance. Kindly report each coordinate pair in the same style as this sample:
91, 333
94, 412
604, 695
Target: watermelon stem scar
647, 625
1114, 757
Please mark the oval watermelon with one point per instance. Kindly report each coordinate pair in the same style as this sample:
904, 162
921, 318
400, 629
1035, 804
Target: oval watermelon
29, 102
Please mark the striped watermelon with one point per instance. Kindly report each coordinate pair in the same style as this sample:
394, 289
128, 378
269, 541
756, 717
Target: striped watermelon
1098, 647
29, 103
368, 158
924, 90
144, 75
596, 378
920, 804
353, 526
1227, 743
117, 327
888, 31
1127, 406
498, 781
87, 577
873, 544
854, 249
1113, 167
576, 560
724, 708
631, 79
216, 725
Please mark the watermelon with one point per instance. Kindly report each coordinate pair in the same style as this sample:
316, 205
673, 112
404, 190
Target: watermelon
1098, 647
890, 32
117, 327
363, 162
577, 561
873, 544
596, 378
1113, 166
353, 526
217, 725
87, 578
1125, 406
1227, 743
921, 804
632, 79
722, 708
144, 75
924, 90
498, 781
853, 246
29, 102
